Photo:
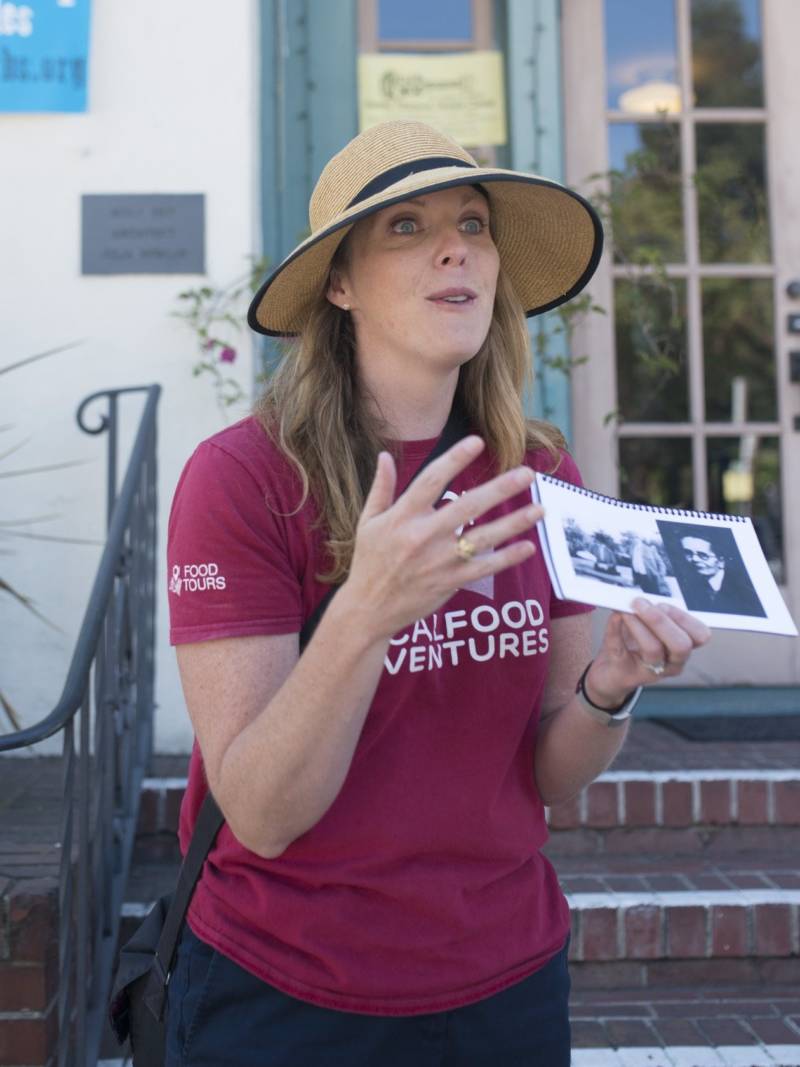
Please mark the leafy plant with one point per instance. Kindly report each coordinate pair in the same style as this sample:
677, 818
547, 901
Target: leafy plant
10, 527
216, 314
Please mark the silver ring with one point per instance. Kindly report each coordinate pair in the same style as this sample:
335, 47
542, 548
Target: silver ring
656, 668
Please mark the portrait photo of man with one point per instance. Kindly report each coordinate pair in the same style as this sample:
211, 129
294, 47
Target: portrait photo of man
709, 569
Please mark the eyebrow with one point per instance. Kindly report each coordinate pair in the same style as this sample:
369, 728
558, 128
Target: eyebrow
471, 194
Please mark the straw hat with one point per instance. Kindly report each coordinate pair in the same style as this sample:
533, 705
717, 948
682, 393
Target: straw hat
549, 238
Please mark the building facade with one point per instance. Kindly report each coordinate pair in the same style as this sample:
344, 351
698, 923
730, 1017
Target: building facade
676, 383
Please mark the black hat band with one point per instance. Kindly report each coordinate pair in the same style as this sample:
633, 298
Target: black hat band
405, 170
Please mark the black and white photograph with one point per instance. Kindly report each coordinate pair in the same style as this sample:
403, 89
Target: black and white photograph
608, 552
634, 559
709, 569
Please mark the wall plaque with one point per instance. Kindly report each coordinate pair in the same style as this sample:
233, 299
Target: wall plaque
143, 234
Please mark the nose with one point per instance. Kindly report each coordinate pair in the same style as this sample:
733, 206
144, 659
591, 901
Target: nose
452, 249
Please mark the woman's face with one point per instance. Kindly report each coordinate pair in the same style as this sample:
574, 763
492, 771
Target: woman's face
420, 279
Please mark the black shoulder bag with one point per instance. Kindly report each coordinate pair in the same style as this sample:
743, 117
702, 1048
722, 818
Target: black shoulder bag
137, 1008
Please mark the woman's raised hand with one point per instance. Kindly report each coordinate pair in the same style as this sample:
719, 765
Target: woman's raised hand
406, 563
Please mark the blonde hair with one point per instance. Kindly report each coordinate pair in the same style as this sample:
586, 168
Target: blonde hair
313, 409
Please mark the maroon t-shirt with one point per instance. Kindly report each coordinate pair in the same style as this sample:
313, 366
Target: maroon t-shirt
423, 886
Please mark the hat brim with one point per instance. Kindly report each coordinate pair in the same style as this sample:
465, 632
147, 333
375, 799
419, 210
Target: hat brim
549, 238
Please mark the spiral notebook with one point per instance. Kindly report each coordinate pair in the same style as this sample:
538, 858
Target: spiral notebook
607, 552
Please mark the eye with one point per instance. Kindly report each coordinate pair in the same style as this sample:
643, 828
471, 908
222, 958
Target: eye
473, 225
405, 225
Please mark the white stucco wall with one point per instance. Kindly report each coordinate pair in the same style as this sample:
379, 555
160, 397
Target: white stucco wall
173, 108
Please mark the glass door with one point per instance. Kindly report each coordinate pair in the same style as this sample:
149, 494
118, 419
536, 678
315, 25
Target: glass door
680, 117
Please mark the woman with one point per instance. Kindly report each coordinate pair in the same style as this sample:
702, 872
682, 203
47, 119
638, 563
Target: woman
377, 895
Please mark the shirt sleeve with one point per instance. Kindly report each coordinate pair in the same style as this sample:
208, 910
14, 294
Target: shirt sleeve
229, 567
567, 471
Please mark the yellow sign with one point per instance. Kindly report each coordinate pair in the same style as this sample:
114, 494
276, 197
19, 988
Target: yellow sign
460, 94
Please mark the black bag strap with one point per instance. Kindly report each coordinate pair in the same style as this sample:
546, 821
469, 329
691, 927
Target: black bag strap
210, 818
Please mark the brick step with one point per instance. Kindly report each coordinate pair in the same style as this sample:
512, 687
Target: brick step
653, 872
686, 1056
670, 799
697, 1025
732, 935
756, 1055
629, 799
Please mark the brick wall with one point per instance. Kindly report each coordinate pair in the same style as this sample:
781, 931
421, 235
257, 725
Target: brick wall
28, 971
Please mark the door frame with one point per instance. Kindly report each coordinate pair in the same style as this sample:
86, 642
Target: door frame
731, 658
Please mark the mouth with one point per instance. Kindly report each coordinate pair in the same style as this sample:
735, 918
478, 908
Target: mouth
454, 298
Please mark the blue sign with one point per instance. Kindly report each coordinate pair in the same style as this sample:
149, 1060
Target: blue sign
44, 55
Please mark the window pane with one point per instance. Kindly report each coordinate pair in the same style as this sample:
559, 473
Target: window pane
732, 193
656, 470
744, 478
726, 53
646, 207
738, 349
650, 321
414, 20
642, 56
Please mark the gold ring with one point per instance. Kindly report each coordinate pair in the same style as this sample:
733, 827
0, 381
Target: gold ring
656, 668
465, 549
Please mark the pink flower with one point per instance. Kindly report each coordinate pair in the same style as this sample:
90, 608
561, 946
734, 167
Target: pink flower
227, 355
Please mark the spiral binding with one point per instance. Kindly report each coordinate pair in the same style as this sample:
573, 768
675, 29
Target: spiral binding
686, 513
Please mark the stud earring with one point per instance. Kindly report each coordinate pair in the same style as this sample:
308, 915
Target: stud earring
345, 307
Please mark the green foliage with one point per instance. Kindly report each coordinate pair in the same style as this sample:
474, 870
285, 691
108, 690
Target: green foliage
215, 315
9, 527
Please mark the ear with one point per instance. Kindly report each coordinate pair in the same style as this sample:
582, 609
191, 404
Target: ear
337, 291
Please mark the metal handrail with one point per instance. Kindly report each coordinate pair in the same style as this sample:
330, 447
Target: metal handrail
118, 511
105, 716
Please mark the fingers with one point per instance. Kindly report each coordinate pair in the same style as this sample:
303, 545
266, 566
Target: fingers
426, 489
476, 502
663, 634
493, 562
381, 493
495, 533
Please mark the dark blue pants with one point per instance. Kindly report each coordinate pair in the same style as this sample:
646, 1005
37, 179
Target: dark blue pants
220, 1014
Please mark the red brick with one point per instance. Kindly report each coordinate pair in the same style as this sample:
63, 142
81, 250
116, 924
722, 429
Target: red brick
726, 1032
588, 1034
679, 1032
640, 803
752, 803
687, 932
172, 810
599, 933
715, 802
630, 1033
728, 930
699, 973
566, 816
773, 1031
778, 972
621, 974
28, 986
601, 804
787, 803
30, 1040
33, 920
677, 803
147, 823
773, 929
643, 932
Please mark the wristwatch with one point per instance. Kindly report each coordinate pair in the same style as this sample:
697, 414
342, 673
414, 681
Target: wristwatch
607, 716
